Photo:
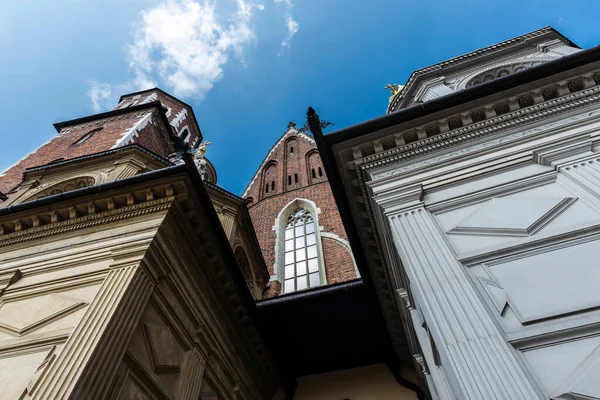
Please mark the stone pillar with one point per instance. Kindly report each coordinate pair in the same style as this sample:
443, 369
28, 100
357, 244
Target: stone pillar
227, 218
479, 362
99, 341
190, 382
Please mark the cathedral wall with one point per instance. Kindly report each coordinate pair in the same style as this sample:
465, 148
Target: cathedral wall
48, 306
295, 155
62, 146
126, 309
154, 138
141, 127
339, 263
264, 216
504, 248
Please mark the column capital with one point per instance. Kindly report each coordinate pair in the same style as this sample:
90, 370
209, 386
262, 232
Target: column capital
399, 198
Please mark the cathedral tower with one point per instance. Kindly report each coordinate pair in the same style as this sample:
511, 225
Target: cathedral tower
125, 271
296, 219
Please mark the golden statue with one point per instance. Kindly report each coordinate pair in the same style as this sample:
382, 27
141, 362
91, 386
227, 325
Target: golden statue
394, 88
200, 160
202, 147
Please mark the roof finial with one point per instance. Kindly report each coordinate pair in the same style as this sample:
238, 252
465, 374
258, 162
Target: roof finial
291, 124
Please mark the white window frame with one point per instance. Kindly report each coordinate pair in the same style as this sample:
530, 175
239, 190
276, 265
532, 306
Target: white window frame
279, 228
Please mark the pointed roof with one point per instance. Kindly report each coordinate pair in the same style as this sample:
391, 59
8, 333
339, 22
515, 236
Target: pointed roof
291, 131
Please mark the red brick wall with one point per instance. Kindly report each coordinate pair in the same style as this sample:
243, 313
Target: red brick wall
266, 206
152, 136
176, 107
338, 262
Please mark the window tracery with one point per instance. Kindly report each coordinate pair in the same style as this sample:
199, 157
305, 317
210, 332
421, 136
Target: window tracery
301, 260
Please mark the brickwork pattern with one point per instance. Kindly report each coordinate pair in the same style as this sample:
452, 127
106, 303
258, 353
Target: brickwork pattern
339, 265
265, 207
64, 144
152, 136
175, 116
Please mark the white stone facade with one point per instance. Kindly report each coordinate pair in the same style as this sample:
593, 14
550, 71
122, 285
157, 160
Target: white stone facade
486, 215
499, 243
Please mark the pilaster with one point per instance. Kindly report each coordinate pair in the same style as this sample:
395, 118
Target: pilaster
479, 363
191, 376
100, 339
227, 218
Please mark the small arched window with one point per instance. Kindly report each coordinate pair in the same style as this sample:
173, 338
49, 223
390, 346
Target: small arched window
320, 172
295, 178
272, 185
301, 262
87, 136
289, 179
314, 175
290, 144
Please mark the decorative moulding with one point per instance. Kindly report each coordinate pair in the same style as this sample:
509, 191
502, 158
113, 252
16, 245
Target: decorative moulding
525, 247
582, 383
496, 293
162, 347
34, 313
473, 128
512, 216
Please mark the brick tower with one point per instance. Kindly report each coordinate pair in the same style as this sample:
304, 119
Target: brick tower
296, 219
138, 118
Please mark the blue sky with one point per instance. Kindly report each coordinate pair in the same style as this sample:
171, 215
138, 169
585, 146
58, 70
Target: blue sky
247, 67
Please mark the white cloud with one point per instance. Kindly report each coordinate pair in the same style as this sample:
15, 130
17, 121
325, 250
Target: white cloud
100, 94
292, 28
183, 44
291, 24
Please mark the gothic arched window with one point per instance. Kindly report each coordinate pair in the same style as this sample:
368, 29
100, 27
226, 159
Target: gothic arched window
301, 260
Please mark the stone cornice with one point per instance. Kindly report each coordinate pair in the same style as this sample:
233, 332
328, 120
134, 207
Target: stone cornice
507, 113
84, 213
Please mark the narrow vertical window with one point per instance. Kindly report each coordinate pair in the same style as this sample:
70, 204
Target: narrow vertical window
272, 185
289, 179
292, 149
313, 173
320, 172
295, 178
301, 264
87, 136
267, 188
